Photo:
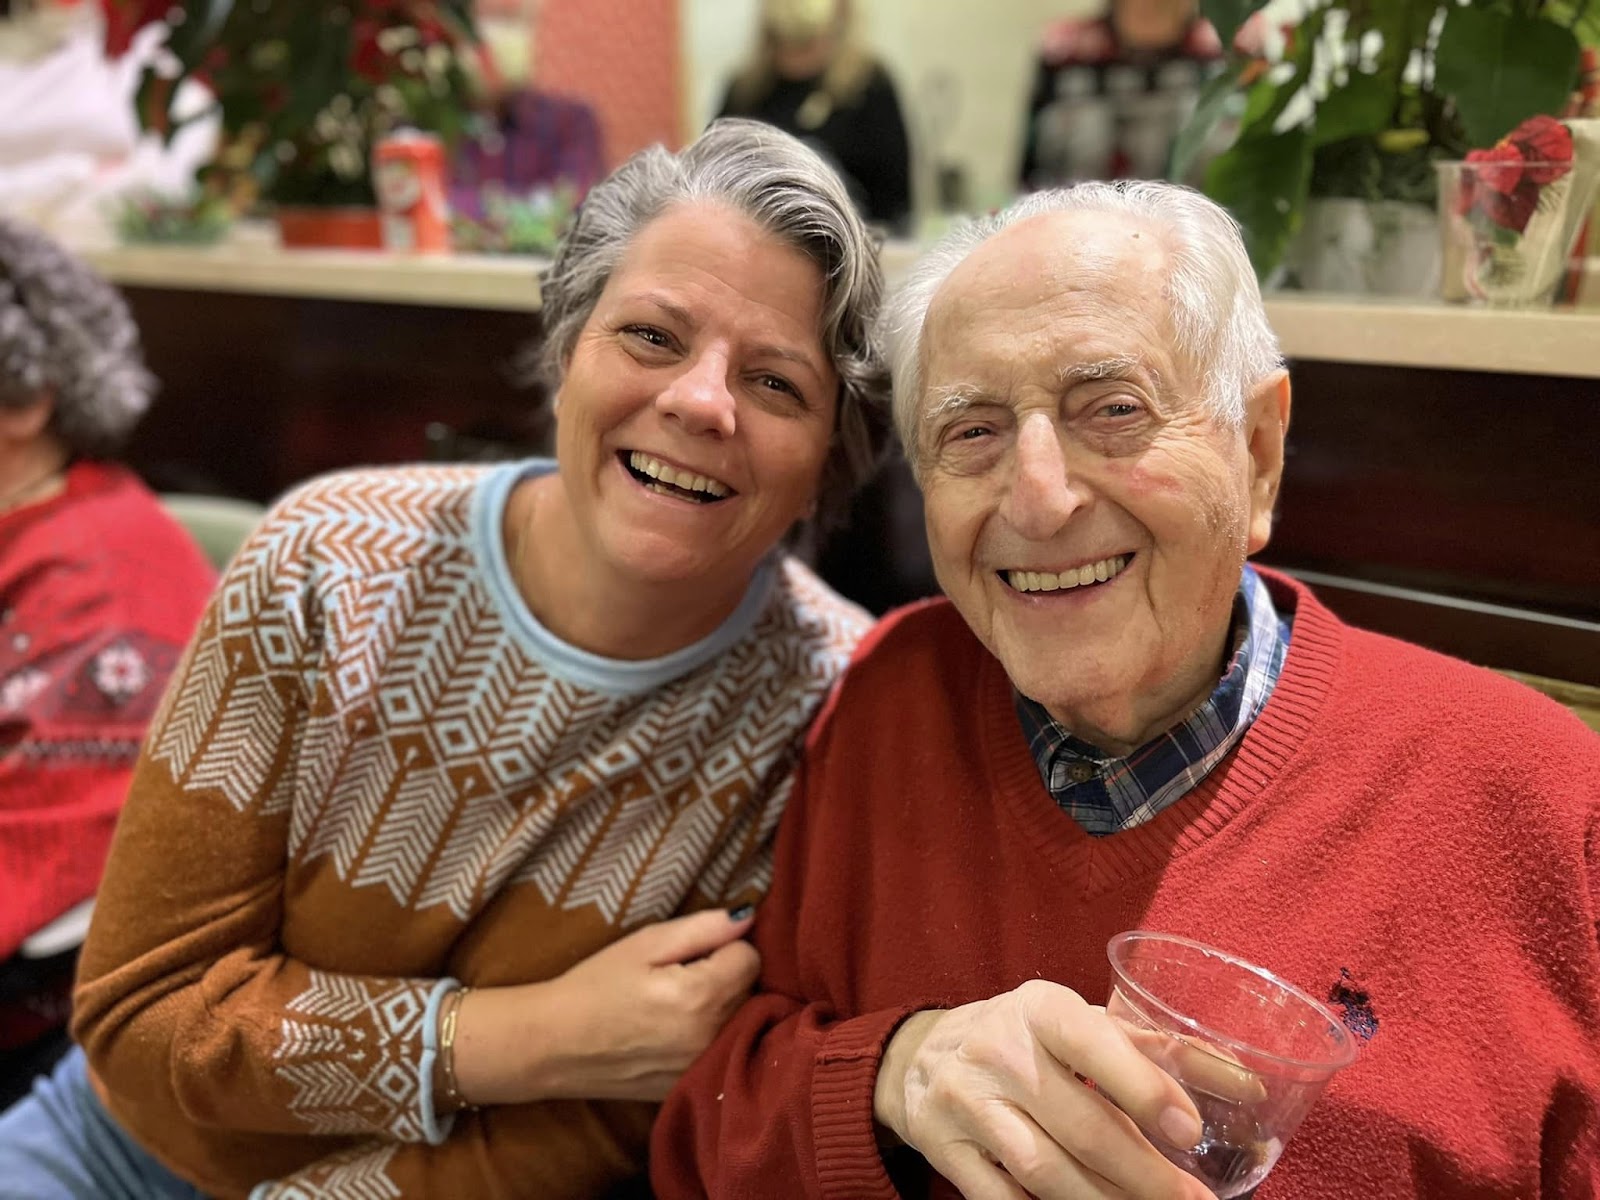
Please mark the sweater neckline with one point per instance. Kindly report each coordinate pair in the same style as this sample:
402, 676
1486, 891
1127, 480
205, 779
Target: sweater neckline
614, 676
1275, 736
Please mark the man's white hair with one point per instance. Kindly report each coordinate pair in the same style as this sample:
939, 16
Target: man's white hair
1217, 314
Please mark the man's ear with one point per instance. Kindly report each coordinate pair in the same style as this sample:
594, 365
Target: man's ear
25, 423
1266, 419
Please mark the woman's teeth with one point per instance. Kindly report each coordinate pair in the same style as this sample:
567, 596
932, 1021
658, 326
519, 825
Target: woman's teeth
678, 481
1047, 581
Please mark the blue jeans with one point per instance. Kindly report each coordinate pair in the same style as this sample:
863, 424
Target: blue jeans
59, 1143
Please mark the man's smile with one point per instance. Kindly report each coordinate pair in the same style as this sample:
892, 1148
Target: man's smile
1072, 577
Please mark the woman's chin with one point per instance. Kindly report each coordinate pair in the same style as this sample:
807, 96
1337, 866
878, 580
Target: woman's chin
657, 562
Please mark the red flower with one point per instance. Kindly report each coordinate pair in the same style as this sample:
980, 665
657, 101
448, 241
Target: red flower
1499, 168
1504, 182
1546, 141
1514, 209
367, 58
124, 18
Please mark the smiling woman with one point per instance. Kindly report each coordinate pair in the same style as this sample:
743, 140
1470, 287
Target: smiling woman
527, 728
701, 360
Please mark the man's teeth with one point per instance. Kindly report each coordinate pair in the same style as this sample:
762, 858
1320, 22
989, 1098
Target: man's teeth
1046, 581
666, 473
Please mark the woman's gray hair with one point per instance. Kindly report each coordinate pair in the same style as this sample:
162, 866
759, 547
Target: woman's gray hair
789, 191
66, 333
1217, 314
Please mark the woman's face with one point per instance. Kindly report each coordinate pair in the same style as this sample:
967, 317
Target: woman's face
698, 405
805, 35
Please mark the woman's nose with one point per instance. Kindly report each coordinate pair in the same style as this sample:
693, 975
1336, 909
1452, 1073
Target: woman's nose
700, 399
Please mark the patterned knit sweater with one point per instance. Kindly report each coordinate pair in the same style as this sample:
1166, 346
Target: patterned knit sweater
375, 771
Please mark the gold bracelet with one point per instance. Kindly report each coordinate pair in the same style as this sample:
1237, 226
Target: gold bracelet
447, 1053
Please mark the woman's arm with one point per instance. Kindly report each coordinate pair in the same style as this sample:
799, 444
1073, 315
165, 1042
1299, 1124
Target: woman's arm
187, 1004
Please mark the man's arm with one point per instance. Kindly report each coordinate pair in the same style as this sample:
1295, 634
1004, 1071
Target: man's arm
794, 1090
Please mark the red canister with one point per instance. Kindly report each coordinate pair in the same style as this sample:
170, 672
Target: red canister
408, 173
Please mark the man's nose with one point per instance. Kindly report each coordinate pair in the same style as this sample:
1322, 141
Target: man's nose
699, 397
1041, 498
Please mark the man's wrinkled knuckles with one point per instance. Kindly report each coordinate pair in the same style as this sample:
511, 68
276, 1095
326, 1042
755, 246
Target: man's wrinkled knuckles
1025, 1152
995, 1049
1050, 1005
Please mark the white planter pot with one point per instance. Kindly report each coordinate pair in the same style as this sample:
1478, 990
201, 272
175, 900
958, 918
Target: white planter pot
1382, 248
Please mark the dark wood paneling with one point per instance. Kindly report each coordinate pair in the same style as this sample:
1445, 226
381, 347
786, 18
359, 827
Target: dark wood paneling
261, 392
1467, 484
1456, 509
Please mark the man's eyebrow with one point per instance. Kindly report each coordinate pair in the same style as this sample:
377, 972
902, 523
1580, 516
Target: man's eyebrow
1119, 366
950, 399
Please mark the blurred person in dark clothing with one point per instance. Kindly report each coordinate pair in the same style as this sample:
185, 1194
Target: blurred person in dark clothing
809, 75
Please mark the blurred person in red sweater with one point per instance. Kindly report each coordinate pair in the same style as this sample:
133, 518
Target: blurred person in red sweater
1115, 721
524, 139
99, 592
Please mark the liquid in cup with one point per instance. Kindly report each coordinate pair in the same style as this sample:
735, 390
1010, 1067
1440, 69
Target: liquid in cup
1252, 1051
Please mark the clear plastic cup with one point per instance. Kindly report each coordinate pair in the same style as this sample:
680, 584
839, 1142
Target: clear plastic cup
1252, 1051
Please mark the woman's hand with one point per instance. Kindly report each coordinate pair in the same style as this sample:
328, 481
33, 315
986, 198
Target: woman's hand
621, 1025
994, 1096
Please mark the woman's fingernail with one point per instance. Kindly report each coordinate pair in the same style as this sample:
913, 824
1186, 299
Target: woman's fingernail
1179, 1128
743, 913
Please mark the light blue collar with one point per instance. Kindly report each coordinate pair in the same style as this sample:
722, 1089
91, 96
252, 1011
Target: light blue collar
562, 659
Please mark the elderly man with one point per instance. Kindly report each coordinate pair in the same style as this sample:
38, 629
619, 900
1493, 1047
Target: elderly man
1114, 722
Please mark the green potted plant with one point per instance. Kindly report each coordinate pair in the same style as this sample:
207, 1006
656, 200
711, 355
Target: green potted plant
304, 89
1364, 97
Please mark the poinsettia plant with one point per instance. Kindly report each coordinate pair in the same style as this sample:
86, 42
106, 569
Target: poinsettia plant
1361, 98
1501, 186
305, 88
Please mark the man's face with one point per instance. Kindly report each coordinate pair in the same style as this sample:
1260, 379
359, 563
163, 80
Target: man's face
1086, 513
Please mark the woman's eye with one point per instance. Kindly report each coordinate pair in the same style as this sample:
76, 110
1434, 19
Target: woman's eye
650, 335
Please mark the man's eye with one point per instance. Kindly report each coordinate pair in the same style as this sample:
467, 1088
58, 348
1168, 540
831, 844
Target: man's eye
1119, 409
973, 434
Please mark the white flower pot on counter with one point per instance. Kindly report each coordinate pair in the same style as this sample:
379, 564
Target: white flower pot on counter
1374, 247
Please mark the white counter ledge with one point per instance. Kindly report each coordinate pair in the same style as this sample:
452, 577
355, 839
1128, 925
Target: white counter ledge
448, 281
1352, 329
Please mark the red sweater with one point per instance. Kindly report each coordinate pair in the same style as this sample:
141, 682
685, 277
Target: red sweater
99, 592
1415, 839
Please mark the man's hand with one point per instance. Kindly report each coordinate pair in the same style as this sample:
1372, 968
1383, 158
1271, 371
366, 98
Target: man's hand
621, 1025
995, 1095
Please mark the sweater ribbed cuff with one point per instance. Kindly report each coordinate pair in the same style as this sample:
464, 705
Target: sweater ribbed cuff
434, 1130
849, 1163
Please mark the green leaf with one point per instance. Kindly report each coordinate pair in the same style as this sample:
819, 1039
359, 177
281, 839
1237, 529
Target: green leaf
1502, 68
1209, 111
1363, 106
1263, 182
1227, 15
1580, 16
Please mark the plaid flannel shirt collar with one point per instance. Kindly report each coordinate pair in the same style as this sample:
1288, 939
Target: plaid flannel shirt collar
1106, 795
